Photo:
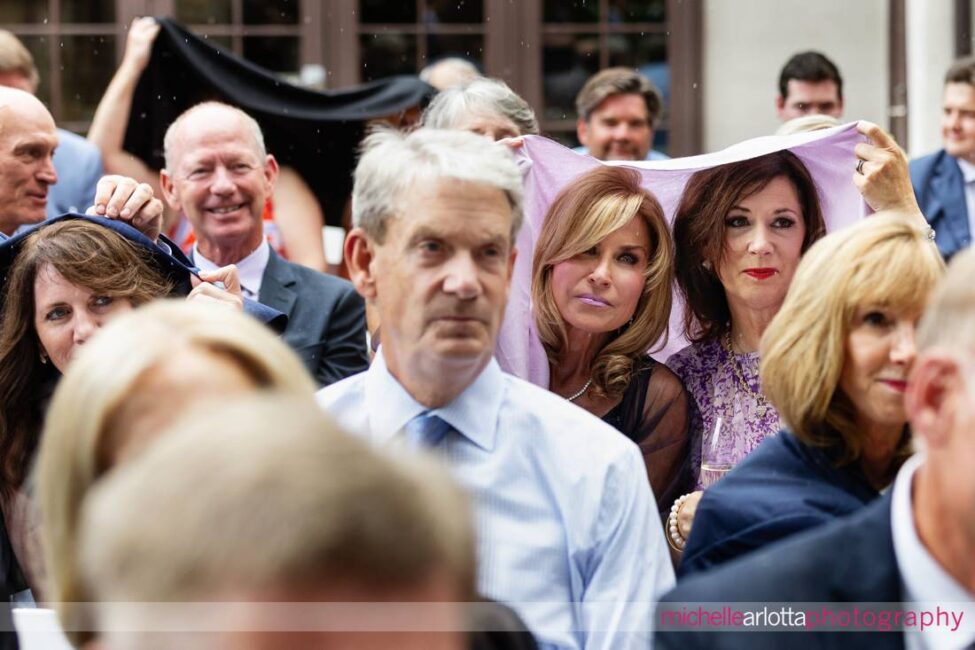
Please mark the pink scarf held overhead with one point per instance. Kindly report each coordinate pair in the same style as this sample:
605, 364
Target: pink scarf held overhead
549, 167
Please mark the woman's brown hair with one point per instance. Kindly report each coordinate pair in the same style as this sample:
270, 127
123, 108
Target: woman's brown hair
87, 255
591, 208
699, 231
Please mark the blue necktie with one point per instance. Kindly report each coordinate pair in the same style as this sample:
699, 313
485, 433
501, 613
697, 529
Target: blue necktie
425, 431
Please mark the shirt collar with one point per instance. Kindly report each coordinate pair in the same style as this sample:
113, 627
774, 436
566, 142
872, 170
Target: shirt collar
967, 170
474, 413
250, 269
924, 580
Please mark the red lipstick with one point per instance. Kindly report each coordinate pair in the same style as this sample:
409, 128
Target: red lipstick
761, 273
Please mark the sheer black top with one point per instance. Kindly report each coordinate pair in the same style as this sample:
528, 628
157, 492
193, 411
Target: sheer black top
655, 414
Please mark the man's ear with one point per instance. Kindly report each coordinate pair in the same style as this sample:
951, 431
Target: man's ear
270, 173
780, 106
512, 258
582, 132
931, 393
360, 253
169, 190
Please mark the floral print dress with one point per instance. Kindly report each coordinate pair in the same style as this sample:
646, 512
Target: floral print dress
746, 417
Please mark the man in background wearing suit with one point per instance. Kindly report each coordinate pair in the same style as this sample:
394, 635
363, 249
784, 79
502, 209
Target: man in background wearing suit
914, 547
944, 181
220, 175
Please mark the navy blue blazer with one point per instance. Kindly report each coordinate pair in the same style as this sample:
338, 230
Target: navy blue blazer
850, 560
940, 190
782, 488
326, 318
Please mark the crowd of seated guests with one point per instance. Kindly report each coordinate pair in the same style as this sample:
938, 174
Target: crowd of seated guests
205, 426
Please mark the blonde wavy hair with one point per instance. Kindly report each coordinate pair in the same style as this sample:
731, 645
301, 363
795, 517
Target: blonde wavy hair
886, 259
82, 426
592, 207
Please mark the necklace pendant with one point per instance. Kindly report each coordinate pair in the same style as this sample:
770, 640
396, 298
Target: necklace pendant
761, 410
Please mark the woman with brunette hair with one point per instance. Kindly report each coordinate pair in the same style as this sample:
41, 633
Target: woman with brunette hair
119, 277
740, 230
601, 294
62, 282
835, 362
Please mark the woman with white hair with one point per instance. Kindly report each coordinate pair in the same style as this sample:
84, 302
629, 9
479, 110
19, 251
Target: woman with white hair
485, 106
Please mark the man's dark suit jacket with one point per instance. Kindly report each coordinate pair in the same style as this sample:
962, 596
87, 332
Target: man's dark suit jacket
850, 560
326, 318
940, 190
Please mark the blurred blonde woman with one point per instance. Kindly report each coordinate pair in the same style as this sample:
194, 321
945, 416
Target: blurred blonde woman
835, 363
601, 294
142, 371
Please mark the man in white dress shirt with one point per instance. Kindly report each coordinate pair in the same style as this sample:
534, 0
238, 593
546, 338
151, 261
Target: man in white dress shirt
567, 532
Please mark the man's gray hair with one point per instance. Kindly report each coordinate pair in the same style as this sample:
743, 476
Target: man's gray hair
949, 319
169, 140
393, 163
481, 97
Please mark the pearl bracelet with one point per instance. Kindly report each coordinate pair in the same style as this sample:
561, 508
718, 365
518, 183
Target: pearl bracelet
674, 536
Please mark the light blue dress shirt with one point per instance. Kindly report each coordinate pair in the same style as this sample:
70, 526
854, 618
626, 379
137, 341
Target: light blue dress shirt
566, 525
968, 173
79, 167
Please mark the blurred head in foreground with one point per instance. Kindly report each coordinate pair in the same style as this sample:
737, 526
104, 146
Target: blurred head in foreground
266, 503
140, 373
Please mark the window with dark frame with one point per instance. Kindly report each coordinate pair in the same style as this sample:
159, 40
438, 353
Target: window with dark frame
73, 43
544, 49
581, 38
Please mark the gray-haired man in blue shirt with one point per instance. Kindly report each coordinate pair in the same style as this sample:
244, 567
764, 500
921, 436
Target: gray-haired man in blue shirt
567, 530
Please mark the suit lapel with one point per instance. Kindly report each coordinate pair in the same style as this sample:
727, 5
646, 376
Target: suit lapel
866, 570
277, 285
877, 579
948, 208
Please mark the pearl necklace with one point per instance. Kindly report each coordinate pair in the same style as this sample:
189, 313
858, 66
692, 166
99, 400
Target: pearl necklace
581, 391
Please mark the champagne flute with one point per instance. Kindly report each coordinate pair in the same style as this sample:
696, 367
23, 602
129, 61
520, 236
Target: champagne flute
714, 462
